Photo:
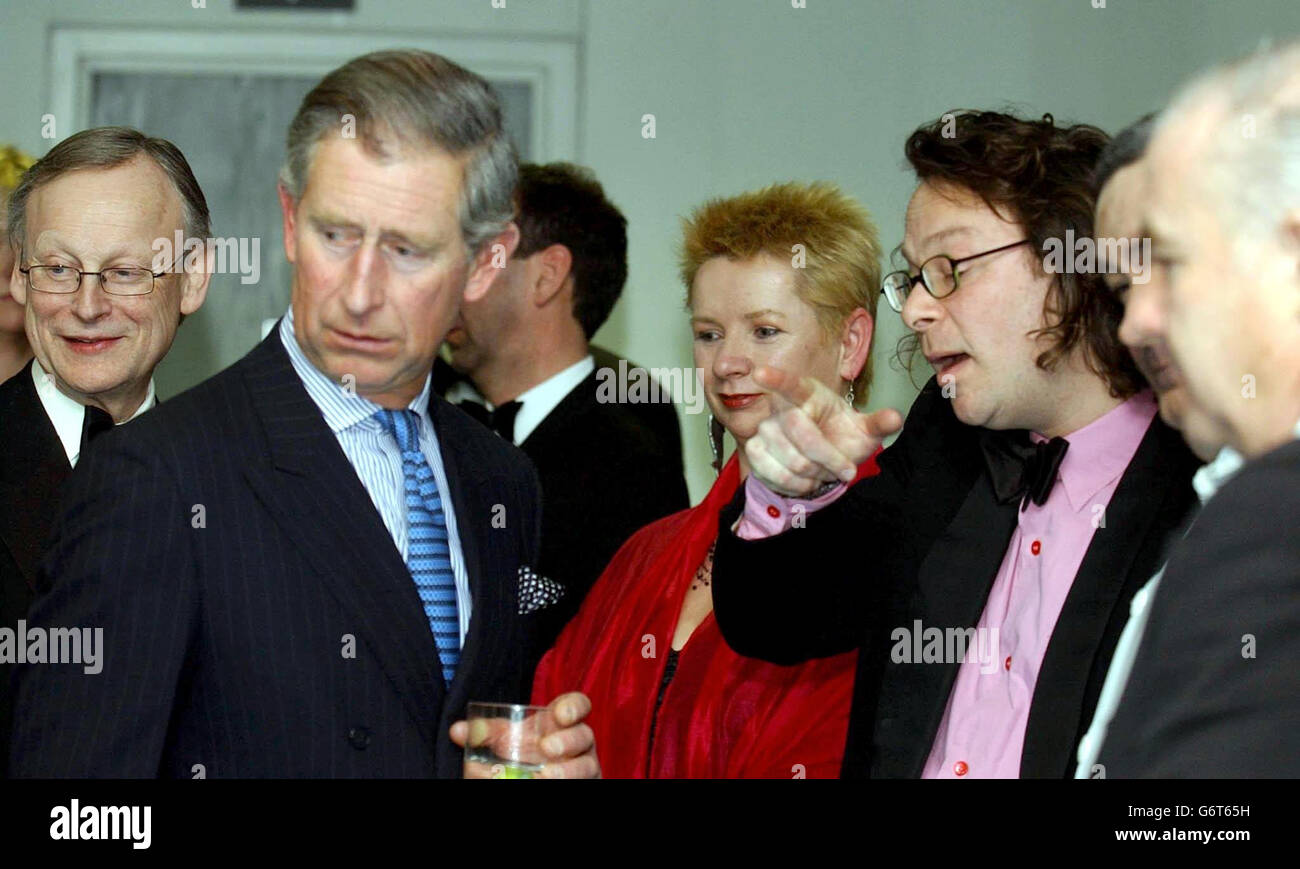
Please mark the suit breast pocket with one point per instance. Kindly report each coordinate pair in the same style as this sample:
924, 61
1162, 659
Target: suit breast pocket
537, 592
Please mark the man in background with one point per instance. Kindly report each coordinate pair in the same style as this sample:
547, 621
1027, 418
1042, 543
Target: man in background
1120, 179
606, 468
1215, 688
99, 314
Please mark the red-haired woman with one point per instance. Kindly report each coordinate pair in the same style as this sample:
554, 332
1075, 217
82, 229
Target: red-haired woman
784, 276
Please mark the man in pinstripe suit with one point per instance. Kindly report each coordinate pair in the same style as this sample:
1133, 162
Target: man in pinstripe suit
95, 201
306, 566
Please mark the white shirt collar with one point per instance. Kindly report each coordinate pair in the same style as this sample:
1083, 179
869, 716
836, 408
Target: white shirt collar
536, 403
1212, 477
463, 390
341, 406
67, 415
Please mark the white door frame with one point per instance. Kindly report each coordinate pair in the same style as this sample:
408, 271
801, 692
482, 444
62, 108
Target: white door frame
549, 64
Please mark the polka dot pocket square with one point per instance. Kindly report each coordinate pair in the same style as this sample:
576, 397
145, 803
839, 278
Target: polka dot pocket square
537, 592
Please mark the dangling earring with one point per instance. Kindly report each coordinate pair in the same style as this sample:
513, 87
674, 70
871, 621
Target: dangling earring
848, 397
715, 443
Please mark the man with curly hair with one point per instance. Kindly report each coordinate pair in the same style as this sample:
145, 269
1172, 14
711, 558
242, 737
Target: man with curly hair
1027, 499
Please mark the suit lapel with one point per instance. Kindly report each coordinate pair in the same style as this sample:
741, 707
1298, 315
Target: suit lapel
563, 413
475, 512
1107, 578
952, 586
33, 469
317, 499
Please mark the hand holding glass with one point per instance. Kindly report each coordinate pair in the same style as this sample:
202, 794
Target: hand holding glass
505, 740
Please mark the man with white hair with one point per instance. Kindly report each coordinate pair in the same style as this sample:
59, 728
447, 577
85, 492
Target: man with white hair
1215, 688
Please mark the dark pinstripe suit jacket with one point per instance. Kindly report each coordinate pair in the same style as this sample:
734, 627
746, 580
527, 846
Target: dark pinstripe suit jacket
257, 619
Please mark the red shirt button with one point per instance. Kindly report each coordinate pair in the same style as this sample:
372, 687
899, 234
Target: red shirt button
1007, 664
960, 767
773, 512
1036, 547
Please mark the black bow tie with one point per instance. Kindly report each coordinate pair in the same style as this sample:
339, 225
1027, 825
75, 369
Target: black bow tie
93, 424
501, 419
1021, 468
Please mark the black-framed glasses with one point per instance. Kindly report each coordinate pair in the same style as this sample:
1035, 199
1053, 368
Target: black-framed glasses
940, 275
116, 281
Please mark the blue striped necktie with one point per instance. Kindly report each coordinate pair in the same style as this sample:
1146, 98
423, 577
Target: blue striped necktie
428, 551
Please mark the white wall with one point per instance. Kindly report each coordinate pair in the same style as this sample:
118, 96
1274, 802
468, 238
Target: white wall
746, 92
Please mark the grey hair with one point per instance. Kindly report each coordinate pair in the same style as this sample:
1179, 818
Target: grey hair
1253, 157
414, 98
107, 148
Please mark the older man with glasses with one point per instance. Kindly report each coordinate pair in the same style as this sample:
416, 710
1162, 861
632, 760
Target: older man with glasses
99, 317
1027, 499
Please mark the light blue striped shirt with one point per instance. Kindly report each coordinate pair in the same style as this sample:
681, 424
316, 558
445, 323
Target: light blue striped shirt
375, 456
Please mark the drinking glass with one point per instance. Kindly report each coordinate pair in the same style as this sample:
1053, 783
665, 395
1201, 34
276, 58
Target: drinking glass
505, 740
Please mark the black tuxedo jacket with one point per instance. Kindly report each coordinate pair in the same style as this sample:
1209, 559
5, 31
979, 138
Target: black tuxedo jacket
257, 619
924, 540
1215, 688
604, 476
657, 417
33, 468
606, 471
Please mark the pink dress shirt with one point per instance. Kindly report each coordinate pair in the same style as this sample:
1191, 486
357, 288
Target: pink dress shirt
983, 727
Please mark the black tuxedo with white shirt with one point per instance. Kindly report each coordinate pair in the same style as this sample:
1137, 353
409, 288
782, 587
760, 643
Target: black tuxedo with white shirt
606, 470
604, 476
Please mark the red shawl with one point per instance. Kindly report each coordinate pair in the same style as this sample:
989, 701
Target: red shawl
723, 715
